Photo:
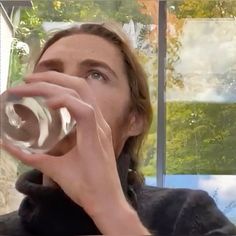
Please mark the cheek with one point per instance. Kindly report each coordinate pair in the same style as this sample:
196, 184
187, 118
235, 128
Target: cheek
114, 103
116, 115
115, 112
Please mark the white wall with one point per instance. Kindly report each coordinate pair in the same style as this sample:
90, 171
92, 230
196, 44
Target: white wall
6, 37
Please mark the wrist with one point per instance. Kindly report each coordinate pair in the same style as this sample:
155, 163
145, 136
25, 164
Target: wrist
120, 219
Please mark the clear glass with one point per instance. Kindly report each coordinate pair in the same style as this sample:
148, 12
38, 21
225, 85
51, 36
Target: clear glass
29, 124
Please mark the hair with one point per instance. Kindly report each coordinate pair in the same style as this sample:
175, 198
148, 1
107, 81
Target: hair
137, 79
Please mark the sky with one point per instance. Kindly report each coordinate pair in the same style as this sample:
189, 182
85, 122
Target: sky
207, 61
221, 187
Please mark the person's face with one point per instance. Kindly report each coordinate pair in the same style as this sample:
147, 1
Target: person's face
101, 65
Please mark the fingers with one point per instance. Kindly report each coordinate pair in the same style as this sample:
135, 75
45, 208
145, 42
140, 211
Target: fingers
87, 126
57, 88
77, 84
77, 87
83, 113
81, 110
72, 83
37, 161
42, 89
65, 144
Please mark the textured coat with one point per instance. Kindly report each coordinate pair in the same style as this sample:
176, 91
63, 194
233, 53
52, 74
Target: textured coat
165, 212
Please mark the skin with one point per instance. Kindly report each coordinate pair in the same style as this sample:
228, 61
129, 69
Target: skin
75, 59
86, 74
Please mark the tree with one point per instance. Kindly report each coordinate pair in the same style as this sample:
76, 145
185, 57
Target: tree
200, 136
30, 29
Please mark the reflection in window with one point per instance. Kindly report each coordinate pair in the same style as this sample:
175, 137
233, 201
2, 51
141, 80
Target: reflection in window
201, 99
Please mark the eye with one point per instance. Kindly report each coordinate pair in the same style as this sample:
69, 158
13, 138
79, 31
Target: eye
96, 75
55, 69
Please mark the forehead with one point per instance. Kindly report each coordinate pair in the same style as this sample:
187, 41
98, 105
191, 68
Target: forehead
80, 46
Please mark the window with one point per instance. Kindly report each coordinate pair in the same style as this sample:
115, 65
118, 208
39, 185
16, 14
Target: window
191, 48
201, 99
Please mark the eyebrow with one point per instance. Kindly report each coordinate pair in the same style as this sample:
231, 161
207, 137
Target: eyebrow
96, 63
49, 63
86, 63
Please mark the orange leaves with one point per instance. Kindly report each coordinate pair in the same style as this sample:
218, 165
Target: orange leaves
149, 8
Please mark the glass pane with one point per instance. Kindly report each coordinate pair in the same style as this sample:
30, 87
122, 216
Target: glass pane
201, 99
33, 27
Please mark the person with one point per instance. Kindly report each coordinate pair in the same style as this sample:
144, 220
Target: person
90, 182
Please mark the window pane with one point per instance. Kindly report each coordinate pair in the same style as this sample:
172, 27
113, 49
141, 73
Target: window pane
201, 99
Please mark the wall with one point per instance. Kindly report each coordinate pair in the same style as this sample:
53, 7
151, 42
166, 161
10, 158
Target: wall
6, 37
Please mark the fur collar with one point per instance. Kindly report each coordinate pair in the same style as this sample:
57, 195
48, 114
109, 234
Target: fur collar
48, 211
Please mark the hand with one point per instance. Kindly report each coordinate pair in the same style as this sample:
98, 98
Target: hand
87, 173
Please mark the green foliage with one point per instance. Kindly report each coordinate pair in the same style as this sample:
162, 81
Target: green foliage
149, 153
204, 8
201, 138
123, 11
30, 29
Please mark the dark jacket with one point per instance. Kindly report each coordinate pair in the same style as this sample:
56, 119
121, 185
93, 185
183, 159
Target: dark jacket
172, 212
